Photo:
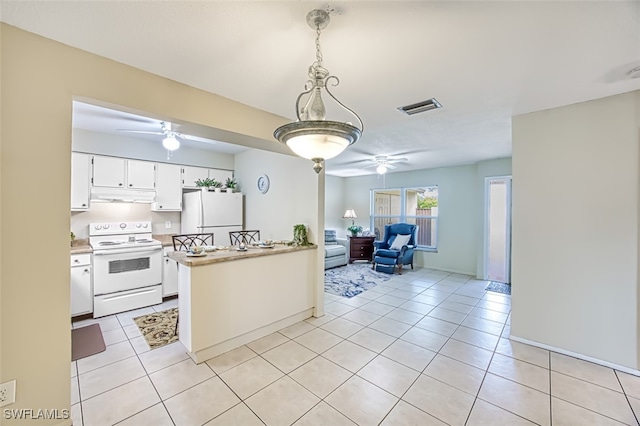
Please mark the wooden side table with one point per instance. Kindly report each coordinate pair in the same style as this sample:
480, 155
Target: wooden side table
361, 248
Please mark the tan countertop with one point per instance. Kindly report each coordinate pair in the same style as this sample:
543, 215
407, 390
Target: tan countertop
80, 247
165, 239
233, 254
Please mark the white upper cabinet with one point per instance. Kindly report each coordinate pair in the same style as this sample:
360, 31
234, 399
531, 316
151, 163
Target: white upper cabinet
122, 173
140, 174
109, 171
168, 188
80, 172
220, 175
191, 174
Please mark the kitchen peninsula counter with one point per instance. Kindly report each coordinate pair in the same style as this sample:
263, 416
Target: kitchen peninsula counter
233, 254
229, 298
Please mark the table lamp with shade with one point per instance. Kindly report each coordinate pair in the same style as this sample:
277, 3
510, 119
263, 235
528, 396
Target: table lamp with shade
353, 229
350, 214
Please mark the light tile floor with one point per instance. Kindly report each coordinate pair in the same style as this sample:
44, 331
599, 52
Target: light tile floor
424, 348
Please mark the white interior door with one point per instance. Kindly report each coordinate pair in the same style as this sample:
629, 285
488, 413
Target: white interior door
498, 229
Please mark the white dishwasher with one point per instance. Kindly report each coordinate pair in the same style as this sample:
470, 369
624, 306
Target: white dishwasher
169, 274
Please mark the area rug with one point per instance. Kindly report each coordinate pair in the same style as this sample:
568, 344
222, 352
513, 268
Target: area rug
497, 287
159, 328
351, 280
86, 341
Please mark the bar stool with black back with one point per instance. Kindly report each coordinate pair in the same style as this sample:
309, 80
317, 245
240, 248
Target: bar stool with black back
244, 237
185, 241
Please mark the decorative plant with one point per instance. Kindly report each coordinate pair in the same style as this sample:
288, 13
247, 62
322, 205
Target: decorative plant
231, 183
300, 237
206, 182
216, 183
355, 230
73, 237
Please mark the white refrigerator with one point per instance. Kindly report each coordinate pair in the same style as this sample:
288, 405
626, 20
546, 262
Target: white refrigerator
207, 211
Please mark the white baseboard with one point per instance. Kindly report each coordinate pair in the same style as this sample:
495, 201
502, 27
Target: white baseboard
228, 345
576, 355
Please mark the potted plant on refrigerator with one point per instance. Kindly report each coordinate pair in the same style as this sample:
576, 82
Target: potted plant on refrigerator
231, 184
205, 183
217, 185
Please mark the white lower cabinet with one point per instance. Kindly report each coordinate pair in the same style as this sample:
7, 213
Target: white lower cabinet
169, 274
81, 289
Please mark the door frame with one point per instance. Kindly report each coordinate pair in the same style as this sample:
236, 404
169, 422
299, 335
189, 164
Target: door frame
485, 248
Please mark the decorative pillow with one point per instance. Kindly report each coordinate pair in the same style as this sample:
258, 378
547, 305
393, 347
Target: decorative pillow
330, 237
399, 241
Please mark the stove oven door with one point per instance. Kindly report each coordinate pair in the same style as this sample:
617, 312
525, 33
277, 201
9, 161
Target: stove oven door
126, 269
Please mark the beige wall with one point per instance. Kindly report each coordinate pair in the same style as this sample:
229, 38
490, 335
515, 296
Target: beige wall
575, 228
40, 78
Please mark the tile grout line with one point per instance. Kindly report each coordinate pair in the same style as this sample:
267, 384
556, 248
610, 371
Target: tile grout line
626, 396
550, 395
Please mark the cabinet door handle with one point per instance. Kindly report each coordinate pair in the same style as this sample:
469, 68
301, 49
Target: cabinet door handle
160, 206
76, 261
130, 184
84, 205
86, 270
119, 184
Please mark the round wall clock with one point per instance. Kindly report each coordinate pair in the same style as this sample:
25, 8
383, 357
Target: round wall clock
263, 184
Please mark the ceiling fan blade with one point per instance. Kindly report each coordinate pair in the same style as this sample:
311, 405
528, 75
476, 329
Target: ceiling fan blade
141, 131
370, 165
389, 166
396, 160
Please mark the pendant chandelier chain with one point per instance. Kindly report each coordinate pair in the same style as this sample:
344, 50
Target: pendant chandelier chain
318, 51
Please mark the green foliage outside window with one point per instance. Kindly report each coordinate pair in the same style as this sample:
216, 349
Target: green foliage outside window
427, 202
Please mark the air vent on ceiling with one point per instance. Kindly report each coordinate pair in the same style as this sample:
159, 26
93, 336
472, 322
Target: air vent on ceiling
418, 107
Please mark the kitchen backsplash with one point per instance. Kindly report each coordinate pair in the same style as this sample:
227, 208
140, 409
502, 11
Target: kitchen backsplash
124, 212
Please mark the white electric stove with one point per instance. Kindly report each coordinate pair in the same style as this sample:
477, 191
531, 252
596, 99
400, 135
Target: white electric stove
127, 267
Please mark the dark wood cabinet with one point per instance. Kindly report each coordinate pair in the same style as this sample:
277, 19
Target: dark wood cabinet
361, 248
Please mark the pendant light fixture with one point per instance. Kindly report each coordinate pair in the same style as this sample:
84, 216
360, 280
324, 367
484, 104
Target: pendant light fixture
312, 136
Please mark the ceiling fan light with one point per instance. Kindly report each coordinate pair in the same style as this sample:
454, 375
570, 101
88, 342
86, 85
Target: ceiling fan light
381, 169
171, 143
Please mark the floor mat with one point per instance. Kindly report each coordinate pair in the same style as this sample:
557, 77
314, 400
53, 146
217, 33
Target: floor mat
353, 279
86, 341
159, 328
497, 287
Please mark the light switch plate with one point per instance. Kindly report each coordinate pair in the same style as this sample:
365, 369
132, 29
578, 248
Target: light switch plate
7, 393
167, 224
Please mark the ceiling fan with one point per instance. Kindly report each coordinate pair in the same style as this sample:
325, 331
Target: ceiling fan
170, 138
382, 163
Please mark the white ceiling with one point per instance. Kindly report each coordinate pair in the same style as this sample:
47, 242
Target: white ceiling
484, 61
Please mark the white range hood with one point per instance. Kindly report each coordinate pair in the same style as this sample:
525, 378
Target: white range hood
105, 194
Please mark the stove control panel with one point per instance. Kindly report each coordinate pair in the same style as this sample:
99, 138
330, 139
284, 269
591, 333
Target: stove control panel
118, 228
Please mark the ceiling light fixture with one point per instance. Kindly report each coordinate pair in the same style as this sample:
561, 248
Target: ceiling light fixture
381, 169
312, 136
170, 142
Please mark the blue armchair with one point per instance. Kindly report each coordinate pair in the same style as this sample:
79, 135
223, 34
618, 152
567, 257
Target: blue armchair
387, 255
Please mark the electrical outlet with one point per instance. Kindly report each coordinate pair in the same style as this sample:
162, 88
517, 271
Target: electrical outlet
167, 224
7, 393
